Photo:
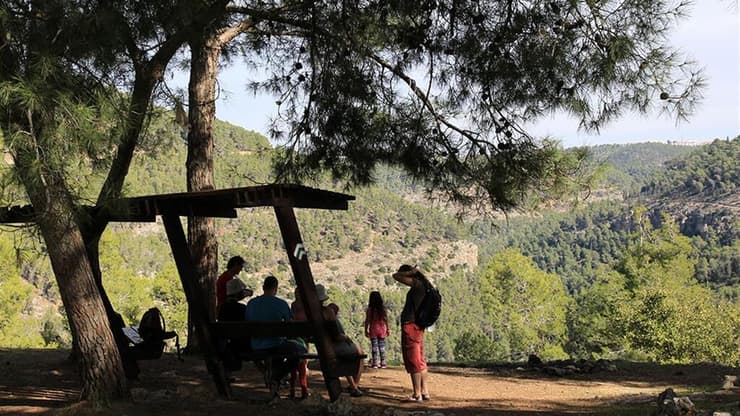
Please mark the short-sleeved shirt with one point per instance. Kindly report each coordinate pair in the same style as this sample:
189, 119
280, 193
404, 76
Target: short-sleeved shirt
413, 300
267, 308
221, 286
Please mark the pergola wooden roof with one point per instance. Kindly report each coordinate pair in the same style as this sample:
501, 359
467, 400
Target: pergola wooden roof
216, 203
224, 203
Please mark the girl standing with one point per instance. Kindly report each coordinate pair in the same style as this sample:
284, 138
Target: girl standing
376, 327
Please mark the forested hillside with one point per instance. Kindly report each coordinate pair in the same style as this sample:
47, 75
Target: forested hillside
711, 172
605, 279
632, 165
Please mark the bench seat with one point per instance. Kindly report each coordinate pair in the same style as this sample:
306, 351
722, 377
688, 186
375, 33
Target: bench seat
148, 350
242, 330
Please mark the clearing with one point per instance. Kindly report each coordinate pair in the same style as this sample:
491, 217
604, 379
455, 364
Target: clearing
44, 382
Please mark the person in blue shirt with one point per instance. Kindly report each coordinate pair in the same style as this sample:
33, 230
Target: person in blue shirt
269, 307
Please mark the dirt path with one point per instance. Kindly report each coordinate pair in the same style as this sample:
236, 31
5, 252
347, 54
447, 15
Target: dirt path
43, 382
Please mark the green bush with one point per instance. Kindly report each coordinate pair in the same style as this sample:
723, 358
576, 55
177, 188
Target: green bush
474, 347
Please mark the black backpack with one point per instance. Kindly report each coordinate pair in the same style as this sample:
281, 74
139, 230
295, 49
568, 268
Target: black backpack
151, 326
431, 306
152, 331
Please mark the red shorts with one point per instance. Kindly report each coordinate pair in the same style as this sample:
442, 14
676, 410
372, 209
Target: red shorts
412, 345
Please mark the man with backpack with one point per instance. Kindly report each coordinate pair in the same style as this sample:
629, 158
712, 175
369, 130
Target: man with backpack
422, 301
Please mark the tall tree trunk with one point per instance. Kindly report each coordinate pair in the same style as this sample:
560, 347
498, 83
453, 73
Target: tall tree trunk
99, 363
200, 176
92, 228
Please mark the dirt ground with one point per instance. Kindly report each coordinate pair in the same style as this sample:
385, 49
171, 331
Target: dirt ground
44, 382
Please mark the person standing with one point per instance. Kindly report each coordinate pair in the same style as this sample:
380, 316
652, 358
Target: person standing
233, 267
376, 328
412, 336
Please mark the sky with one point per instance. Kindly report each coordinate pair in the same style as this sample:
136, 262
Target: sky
709, 36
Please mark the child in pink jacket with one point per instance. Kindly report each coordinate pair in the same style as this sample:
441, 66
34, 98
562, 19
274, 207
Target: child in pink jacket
376, 328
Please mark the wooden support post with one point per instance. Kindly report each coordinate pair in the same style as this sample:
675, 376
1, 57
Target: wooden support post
307, 291
197, 306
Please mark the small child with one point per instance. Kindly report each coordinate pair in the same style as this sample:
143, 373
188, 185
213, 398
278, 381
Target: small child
376, 328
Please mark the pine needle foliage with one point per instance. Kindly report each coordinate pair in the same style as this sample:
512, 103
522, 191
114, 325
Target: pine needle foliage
445, 89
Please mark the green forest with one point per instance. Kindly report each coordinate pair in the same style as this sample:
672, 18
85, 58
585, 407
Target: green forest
648, 270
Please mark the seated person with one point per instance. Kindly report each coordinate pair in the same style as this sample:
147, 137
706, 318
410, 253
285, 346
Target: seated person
269, 307
234, 310
343, 345
233, 268
300, 374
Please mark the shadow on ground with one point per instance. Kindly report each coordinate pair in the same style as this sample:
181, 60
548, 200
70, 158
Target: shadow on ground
45, 382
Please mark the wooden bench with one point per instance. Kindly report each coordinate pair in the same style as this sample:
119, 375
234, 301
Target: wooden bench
245, 329
263, 359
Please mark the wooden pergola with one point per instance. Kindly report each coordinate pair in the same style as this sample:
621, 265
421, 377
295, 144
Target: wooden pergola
223, 203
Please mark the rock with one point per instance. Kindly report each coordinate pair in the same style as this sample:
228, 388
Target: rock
341, 407
604, 365
729, 383
161, 396
534, 361
196, 392
555, 371
139, 395
611, 368
587, 367
400, 412
671, 405
685, 405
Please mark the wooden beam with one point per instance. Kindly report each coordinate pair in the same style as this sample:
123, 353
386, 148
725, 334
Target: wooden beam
219, 203
198, 309
307, 291
287, 195
17, 214
244, 329
202, 209
217, 206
